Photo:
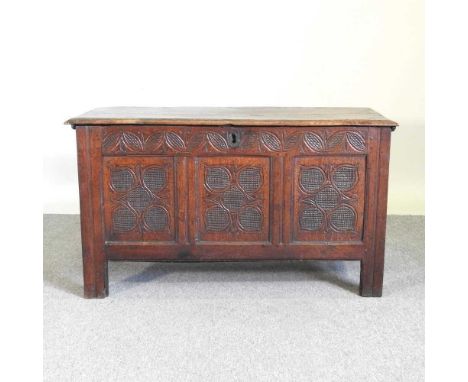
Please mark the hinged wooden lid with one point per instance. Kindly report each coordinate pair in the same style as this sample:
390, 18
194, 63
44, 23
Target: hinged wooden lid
236, 116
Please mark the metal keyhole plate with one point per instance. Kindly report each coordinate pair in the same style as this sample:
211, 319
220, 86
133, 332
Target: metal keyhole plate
234, 139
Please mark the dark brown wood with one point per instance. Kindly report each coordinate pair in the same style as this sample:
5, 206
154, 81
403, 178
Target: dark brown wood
240, 116
232, 251
299, 187
159, 200
199, 141
89, 172
235, 201
381, 218
371, 192
350, 199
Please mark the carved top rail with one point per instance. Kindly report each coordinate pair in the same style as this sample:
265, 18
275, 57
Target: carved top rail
176, 140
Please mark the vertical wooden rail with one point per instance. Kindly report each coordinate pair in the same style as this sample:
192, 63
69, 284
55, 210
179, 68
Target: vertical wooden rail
181, 195
372, 264
90, 183
276, 200
288, 179
381, 218
371, 196
192, 192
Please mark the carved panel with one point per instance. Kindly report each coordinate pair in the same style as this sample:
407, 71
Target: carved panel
139, 199
253, 140
232, 200
328, 198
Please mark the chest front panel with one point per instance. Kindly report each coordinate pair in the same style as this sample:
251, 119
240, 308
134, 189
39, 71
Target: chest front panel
328, 198
257, 185
233, 195
139, 199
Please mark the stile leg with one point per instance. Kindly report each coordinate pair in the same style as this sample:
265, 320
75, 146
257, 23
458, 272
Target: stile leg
379, 264
381, 218
92, 242
96, 284
371, 279
365, 285
372, 265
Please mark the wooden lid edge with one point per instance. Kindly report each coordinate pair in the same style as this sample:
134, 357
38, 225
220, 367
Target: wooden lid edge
234, 122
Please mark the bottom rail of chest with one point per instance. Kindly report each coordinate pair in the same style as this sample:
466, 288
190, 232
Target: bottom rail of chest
95, 273
234, 252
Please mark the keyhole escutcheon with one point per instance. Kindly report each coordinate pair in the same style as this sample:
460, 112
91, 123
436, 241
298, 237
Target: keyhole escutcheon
234, 139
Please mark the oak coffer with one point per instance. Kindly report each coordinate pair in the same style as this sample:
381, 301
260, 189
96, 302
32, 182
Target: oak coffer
232, 184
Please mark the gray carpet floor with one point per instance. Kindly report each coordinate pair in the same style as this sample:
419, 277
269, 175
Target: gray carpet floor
274, 321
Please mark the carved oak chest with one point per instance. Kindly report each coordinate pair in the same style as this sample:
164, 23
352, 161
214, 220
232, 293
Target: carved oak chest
232, 184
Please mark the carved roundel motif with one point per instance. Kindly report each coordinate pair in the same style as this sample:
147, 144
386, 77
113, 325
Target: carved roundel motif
250, 179
314, 141
311, 219
155, 178
250, 219
356, 140
139, 198
345, 177
271, 141
156, 218
232, 190
123, 220
217, 178
122, 179
137, 201
233, 199
327, 198
343, 218
328, 195
311, 178
217, 219
256, 142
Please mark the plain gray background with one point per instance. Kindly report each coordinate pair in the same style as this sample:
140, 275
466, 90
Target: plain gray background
274, 321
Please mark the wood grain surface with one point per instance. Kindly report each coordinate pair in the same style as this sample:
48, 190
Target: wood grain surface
233, 184
236, 116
